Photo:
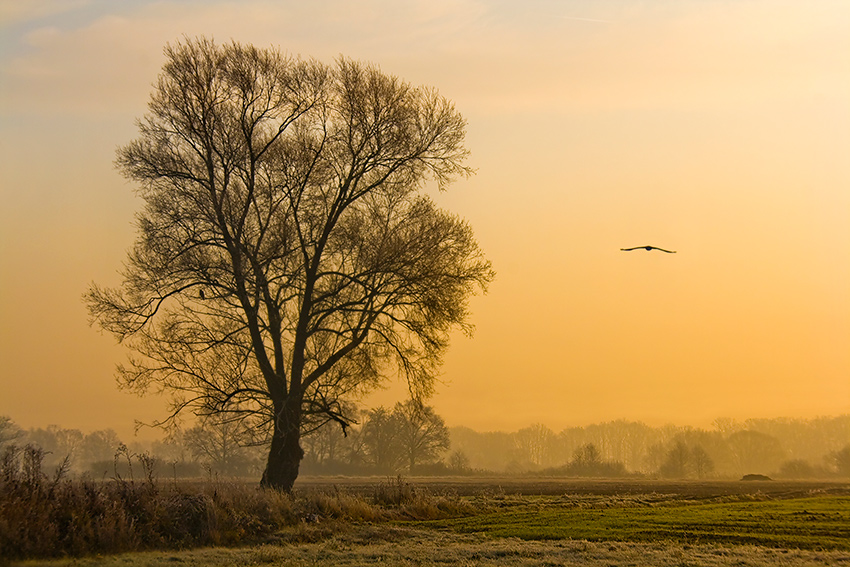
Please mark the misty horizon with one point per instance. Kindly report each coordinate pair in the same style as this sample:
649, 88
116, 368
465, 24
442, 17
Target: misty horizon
780, 448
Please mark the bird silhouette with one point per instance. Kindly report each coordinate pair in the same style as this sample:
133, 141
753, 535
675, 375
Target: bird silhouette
647, 248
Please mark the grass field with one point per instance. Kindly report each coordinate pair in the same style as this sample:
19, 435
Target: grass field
807, 523
537, 522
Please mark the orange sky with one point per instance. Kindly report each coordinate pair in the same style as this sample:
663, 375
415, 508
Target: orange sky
717, 129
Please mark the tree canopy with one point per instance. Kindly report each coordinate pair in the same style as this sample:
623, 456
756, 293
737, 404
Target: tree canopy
287, 257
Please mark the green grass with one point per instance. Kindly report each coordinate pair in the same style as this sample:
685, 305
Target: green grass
806, 523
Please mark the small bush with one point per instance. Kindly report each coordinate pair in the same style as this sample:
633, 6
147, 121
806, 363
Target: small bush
395, 493
749, 477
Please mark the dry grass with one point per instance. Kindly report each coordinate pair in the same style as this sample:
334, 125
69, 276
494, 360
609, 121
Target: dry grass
44, 516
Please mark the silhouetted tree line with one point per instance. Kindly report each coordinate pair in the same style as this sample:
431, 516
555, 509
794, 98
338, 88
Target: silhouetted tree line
411, 438
204, 449
780, 448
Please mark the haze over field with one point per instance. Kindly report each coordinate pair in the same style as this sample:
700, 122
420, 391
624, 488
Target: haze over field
720, 130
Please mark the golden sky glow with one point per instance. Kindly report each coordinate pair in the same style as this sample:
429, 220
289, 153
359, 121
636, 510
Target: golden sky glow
717, 129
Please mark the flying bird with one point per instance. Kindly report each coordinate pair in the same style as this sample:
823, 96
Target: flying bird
647, 248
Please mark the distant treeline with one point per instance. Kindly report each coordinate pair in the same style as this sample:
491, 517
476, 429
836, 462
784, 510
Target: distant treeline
411, 439
781, 448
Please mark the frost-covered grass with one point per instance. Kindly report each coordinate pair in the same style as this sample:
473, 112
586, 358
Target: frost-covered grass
356, 546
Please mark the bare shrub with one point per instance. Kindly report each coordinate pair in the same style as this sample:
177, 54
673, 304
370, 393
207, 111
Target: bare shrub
395, 493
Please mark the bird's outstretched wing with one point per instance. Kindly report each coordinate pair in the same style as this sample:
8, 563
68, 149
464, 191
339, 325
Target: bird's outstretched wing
648, 248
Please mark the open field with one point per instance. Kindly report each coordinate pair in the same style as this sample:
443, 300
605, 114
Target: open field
531, 522
556, 486
807, 523
792, 515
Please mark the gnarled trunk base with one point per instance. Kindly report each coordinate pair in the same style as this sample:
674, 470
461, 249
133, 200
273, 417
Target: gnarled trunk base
285, 456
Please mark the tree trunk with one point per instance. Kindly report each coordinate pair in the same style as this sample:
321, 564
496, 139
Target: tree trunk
285, 453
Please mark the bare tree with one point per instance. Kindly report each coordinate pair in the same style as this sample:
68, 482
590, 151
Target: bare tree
841, 461
423, 434
586, 461
459, 462
702, 462
325, 445
9, 430
59, 444
534, 444
221, 445
755, 452
677, 463
98, 446
287, 258
381, 444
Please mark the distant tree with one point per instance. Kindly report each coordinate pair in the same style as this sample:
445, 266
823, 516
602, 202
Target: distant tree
381, 443
702, 463
222, 445
586, 457
324, 446
423, 435
533, 444
9, 431
98, 446
587, 461
172, 449
796, 468
755, 452
488, 450
459, 462
654, 457
58, 443
807, 439
677, 463
628, 441
287, 258
727, 425
841, 461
